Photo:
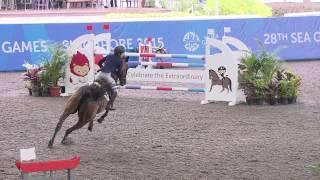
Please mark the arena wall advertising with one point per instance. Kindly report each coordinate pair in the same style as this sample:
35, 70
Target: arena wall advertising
294, 38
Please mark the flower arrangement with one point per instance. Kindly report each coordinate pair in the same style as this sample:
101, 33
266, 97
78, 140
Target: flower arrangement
32, 78
43, 79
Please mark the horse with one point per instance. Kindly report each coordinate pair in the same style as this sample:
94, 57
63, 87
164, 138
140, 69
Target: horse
88, 101
215, 80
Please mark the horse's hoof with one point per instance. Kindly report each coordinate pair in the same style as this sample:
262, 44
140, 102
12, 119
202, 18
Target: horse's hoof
64, 142
50, 144
90, 129
67, 141
100, 120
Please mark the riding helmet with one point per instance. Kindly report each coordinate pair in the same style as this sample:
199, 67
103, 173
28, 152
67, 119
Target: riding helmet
221, 68
119, 50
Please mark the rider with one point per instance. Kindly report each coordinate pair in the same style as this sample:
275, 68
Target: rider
109, 68
222, 71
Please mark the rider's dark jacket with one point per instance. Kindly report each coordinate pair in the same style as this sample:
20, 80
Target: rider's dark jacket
110, 64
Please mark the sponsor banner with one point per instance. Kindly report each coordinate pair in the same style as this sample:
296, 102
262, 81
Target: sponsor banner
298, 38
166, 75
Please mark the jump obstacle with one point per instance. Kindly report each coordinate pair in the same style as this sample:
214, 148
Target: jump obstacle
163, 88
227, 58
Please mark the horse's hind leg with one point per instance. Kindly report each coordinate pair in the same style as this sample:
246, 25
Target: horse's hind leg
222, 89
103, 116
90, 127
85, 115
58, 127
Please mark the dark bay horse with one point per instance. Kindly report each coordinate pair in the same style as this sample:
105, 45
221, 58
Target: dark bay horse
88, 101
215, 80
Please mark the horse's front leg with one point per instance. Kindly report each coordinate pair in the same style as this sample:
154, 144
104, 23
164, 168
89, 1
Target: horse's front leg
90, 127
211, 86
222, 85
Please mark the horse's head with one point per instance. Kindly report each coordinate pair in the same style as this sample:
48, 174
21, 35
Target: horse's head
122, 73
213, 75
123, 70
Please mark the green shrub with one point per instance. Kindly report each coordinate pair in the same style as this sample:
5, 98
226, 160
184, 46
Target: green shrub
226, 7
240, 7
150, 3
283, 88
53, 66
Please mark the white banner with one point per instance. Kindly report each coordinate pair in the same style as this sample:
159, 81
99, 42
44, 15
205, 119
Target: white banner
85, 52
166, 75
221, 72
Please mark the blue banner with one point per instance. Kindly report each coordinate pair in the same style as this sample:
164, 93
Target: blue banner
298, 38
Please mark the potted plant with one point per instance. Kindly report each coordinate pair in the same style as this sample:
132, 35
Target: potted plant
259, 76
45, 83
54, 68
283, 91
250, 66
293, 87
269, 68
249, 91
31, 77
260, 88
271, 93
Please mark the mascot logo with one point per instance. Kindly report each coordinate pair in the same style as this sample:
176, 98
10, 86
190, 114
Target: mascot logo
191, 41
79, 65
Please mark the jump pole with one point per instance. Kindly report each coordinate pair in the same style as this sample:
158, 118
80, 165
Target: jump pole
180, 56
166, 64
162, 88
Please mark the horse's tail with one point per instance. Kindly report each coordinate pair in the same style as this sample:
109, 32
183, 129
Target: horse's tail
230, 84
75, 100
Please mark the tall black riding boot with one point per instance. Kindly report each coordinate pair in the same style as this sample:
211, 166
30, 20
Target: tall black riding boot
112, 96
